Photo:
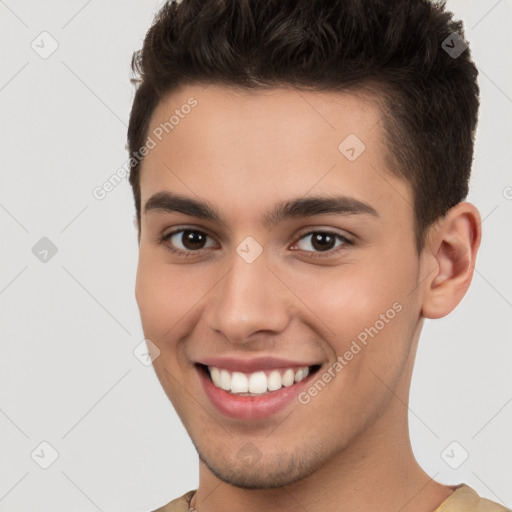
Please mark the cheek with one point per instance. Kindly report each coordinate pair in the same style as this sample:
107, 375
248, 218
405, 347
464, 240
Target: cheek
163, 295
365, 305
370, 329
346, 300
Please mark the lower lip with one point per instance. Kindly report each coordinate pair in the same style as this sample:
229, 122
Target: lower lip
251, 407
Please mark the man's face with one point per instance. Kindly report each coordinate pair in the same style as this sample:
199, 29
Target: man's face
259, 293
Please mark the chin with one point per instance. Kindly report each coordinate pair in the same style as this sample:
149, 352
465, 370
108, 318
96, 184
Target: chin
272, 472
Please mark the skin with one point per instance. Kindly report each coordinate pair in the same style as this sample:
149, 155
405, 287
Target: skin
349, 447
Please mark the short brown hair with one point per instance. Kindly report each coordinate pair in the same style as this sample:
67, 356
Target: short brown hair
394, 48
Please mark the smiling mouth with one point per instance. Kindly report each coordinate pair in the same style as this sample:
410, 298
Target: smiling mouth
257, 383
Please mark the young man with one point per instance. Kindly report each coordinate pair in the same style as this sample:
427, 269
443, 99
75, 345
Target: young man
299, 171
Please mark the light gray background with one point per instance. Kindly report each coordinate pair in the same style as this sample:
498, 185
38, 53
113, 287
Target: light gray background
69, 326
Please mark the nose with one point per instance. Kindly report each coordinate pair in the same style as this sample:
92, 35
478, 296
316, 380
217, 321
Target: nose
248, 301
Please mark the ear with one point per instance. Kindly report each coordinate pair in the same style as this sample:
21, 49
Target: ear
451, 251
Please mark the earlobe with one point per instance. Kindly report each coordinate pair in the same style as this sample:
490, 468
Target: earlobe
453, 248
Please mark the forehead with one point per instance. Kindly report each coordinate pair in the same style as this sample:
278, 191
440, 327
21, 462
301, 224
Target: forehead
248, 118
250, 146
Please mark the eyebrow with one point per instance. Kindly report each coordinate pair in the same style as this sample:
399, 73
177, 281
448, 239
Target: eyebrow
301, 207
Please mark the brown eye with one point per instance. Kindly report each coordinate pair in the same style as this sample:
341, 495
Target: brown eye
193, 239
322, 242
186, 240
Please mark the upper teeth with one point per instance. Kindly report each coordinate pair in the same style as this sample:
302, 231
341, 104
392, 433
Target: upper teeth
258, 382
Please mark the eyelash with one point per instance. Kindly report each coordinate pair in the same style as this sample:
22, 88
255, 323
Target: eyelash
164, 238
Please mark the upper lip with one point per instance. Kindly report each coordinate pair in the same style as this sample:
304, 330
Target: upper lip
253, 364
